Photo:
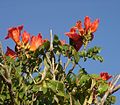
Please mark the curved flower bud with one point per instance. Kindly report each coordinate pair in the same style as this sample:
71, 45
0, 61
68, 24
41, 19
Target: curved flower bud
14, 33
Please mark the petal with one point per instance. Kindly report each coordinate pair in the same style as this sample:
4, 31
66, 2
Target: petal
36, 41
87, 23
10, 53
25, 37
94, 25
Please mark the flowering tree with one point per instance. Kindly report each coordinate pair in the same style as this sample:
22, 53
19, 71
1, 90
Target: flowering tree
40, 71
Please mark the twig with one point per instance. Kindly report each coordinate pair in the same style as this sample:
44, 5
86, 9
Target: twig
51, 41
43, 76
52, 55
32, 78
70, 71
71, 101
1, 51
66, 65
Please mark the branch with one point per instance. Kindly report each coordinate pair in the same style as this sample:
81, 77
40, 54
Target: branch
52, 55
70, 71
1, 51
71, 101
115, 89
8, 81
9, 84
51, 41
66, 65
43, 76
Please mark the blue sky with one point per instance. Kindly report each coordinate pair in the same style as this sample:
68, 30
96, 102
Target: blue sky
43, 15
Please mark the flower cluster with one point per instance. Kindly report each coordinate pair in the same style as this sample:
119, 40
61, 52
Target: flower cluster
105, 76
79, 35
28, 42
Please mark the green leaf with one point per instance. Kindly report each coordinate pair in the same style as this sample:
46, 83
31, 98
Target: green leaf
55, 40
56, 86
84, 79
103, 88
43, 89
36, 88
94, 75
21, 94
81, 72
98, 57
112, 99
76, 56
46, 45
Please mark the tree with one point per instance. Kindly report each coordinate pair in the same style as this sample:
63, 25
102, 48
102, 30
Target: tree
40, 71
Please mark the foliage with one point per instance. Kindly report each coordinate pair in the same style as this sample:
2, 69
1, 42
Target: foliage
38, 71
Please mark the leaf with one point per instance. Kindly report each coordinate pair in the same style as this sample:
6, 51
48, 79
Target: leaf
55, 40
103, 88
21, 94
112, 99
43, 89
36, 88
76, 56
81, 72
71, 78
98, 57
56, 86
46, 45
77, 102
84, 79
94, 75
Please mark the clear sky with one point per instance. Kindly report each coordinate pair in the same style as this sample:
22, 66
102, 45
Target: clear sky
59, 15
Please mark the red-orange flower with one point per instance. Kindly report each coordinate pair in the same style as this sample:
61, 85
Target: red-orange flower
10, 53
105, 76
94, 25
36, 41
75, 37
25, 37
73, 34
14, 33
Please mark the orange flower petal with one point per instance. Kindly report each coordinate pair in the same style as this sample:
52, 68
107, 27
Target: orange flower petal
87, 23
36, 41
94, 25
25, 37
